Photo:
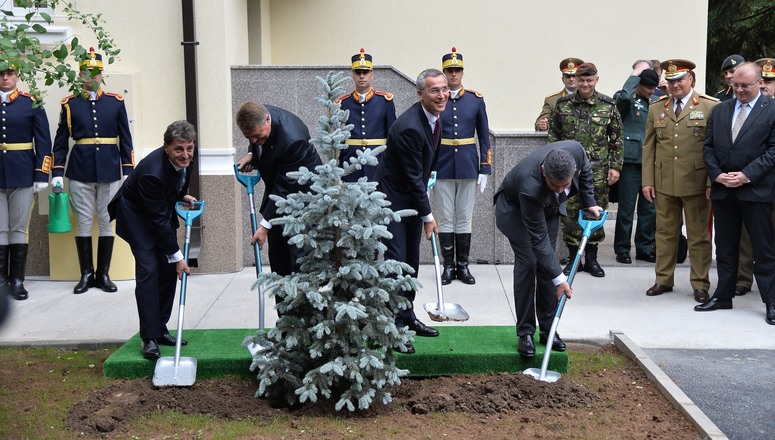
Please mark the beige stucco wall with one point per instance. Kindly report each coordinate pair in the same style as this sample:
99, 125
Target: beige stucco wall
511, 48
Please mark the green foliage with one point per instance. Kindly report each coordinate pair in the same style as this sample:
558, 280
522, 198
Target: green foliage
742, 27
336, 334
22, 51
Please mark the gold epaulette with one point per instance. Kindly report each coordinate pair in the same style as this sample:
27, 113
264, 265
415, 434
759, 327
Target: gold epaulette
118, 96
342, 98
387, 95
65, 99
478, 94
554, 94
709, 98
661, 98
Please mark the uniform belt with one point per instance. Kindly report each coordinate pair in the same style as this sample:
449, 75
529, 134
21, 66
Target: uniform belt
96, 141
365, 142
456, 142
16, 146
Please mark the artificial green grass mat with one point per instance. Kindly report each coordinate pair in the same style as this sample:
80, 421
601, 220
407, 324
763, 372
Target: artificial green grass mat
457, 350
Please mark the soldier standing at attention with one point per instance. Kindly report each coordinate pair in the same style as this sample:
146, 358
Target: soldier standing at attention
97, 122
25, 162
592, 119
460, 169
728, 70
568, 68
371, 113
675, 178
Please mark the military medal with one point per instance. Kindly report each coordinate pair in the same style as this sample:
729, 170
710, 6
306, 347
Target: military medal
696, 131
661, 116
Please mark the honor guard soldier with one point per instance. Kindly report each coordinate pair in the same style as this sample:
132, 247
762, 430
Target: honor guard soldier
25, 162
768, 76
728, 70
371, 113
97, 122
568, 68
460, 168
675, 178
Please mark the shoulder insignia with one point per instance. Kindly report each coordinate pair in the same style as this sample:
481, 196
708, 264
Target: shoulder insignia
564, 99
709, 98
387, 95
555, 94
342, 98
118, 96
26, 94
477, 93
661, 98
65, 99
606, 99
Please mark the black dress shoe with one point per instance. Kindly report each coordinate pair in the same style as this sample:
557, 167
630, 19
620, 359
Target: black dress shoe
168, 339
150, 349
409, 348
463, 274
526, 348
714, 304
624, 258
651, 258
447, 275
422, 330
741, 290
770, 307
658, 289
557, 345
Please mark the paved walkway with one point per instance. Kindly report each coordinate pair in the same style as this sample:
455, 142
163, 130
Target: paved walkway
722, 360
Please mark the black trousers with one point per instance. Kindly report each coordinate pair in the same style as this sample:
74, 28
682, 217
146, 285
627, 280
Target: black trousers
156, 280
405, 247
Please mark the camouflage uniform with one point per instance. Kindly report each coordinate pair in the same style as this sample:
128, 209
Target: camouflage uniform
597, 125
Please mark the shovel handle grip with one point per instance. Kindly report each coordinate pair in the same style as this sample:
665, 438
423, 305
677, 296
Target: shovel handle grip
249, 181
188, 215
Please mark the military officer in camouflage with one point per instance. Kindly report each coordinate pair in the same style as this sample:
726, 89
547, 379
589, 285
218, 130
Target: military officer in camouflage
675, 178
371, 113
728, 70
568, 69
460, 168
97, 122
592, 119
25, 162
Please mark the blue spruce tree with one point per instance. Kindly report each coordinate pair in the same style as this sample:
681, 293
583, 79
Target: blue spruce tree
336, 335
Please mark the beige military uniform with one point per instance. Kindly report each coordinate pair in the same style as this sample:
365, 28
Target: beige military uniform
673, 163
549, 103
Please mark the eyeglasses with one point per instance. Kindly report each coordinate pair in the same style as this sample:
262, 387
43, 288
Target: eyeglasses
568, 76
744, 86
436, 91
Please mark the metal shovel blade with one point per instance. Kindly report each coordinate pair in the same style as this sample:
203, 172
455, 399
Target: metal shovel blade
446, 312
535, 373
167, 374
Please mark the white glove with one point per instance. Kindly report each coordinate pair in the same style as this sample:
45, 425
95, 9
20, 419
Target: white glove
482, 182
39, 186
60, 180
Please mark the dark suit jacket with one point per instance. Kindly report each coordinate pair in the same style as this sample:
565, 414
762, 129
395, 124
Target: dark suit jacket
144, 206
407, 162
524, 186
287, 149
753, 152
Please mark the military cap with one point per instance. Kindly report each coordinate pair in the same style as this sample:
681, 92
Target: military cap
568, 65
767, 67
362, 61
452, 59
586, 69
676, 69
93, 61
731, 62
649, 78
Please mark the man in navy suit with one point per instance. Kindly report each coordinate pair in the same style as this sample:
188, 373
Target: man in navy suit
279, 143
144, 210
403, 174
739, 153
528, 205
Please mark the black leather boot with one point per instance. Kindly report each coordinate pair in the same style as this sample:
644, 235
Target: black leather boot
590, 261
104, 252
17, 263
447, 243
572, 251
4, 264
83, 246
463, 246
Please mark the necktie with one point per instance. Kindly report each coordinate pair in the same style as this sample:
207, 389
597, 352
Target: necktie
437, 133
739, 121
181, 178
678, 108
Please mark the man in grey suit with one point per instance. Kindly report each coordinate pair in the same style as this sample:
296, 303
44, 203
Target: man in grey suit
739, 153
528, 205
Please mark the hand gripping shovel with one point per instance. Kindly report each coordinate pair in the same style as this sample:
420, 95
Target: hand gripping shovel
441, 311
589, 226
249, 182
177, 371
